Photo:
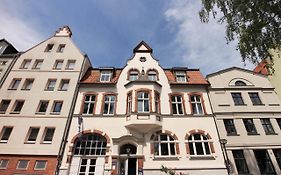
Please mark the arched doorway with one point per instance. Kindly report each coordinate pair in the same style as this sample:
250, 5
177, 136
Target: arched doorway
128, 160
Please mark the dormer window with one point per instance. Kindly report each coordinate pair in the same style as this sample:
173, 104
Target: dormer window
181, 76
105, 76
152, 75
133, 75
240, 83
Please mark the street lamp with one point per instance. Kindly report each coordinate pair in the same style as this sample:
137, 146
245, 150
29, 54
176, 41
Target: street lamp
227, 163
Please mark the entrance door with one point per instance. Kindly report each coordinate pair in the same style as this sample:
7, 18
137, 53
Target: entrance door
128, 166
87, 167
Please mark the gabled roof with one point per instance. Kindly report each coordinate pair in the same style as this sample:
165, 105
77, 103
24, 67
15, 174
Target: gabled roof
261, 68
147, 49
230, 69
194, 77
93, 76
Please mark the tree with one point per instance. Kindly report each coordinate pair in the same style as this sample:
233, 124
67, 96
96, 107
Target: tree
254, 23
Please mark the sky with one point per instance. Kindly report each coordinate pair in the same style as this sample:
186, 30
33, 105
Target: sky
108, 30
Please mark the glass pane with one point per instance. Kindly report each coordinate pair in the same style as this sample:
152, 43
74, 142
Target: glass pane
191, 149
172, 147
199, 148
164, 149
207, 149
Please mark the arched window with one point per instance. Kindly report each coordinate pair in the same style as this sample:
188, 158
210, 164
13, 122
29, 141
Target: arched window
240, 83
128, 149
152, 75
143, 101
133, 75
199, 144
90, 144
163, 144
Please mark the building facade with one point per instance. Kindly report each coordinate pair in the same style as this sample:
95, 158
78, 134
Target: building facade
248, 116
138, 118
36, 100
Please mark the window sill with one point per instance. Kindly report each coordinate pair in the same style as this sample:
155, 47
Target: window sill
12, 89
56, 68
46, 142
258, 104
69, 69
165, 158
14, 112
233, 134
253, 134
271, 133
240, 104
2, 112
55, 113
40, 113
62, 89
25, 89
4, 141
201, 157
29, 142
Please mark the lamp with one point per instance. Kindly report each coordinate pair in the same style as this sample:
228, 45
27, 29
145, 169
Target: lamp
223, 142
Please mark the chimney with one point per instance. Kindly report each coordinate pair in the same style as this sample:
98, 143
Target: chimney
64, 31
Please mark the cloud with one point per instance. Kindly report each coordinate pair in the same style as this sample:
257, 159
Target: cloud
19, 32
200, 45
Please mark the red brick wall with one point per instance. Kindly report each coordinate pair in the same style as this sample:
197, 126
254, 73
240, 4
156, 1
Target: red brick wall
13, 161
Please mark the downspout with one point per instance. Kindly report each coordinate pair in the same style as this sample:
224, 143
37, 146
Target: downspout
69, 121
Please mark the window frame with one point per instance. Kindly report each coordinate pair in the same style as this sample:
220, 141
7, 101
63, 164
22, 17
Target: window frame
237, 99
15, 106
267, 126
70, 62
143, 99
3, 133
19, 161
6, 165
25, 64
36, 63
89, 102
15, 83
230, 127
255, 98
203, 141
158, 145
36, 162
177, 103
49, 48
27, 139
181, 76
157, 102
133, 73
44, 141
152, 73
1, 105
238, 159
58, 64
42, 102
28, 82
62, 83
129, 106
109, 106
250, 126
61, 48
50, 88
196, 103
278, 120
277, 155
107, 74
54, 107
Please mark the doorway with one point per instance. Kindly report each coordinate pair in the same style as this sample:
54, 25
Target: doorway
128, 160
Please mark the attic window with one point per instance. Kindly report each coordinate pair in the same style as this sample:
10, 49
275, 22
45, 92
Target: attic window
181, 76
240, 83
142, 59
133, 75
105, 76
49, 47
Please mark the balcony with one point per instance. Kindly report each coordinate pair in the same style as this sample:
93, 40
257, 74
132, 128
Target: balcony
143, 122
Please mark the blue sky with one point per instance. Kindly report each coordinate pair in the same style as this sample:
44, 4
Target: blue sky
108, 30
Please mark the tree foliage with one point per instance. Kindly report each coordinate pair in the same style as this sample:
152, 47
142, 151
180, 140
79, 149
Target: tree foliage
254, 23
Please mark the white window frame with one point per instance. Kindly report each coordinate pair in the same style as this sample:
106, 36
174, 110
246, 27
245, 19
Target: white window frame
111, 100
27, 85
15, 84
18, 168
4, 162
197, 104
37, 63
142, 100
202, 141
70, 65
2, 140
58, 64
64, 82
45, 134
61, 48
49, 87
29, 134
152, 75
54, 107
157, 145
181, 76
89, 103
129, 103
178, 104
36, 163
25, 64
105, 76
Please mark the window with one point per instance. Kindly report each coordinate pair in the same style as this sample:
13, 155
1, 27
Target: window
87, 166
109, 104
278, 120
181, 77
32, 135
48, 135
57, 106
61, 48
196, 104
5, 134
240, 83
89, 104
105, 76
164, 145
40, 165
70, 64
255, 98
157, 102
237, 98
3, 62
264, 162
43, 105
18, 106
134, 75
14, 84
143, 101
37, 64
240, 162
25, 64
3, 163
229, 126
58, 64
51, 85
250, 126
4, 105
64, 85
199, 145
177, 105
27, 84
277, 154
266, 124
129, 103
22, 164
49, 47
152, 75
90, 144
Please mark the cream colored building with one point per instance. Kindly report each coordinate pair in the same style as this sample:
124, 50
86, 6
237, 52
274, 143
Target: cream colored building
248, 115
133, 120
36, 101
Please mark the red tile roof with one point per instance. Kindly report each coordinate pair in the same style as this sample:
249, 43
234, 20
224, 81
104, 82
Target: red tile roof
261, 68
93, 76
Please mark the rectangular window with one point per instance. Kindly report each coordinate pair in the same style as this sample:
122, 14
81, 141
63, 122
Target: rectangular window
105, 76
64, 85
14, 84
25, 64
22, 164
27, 84
157, 102
43, 105
37, 64
143, 102
32, 135
4, 106
250, 126
277, 154
18, 106
51, 85
48, 135
5, 134
89, 104
58, 64
4, 163
109, 104
129, 103
278, 120
181, 77
196, 104
240, 162
57, 107
266, 124
49, 47
229, 126
264, 162
255, 98
61, 48
70, 64
177, 106
40, 165
87, 166
237, 98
